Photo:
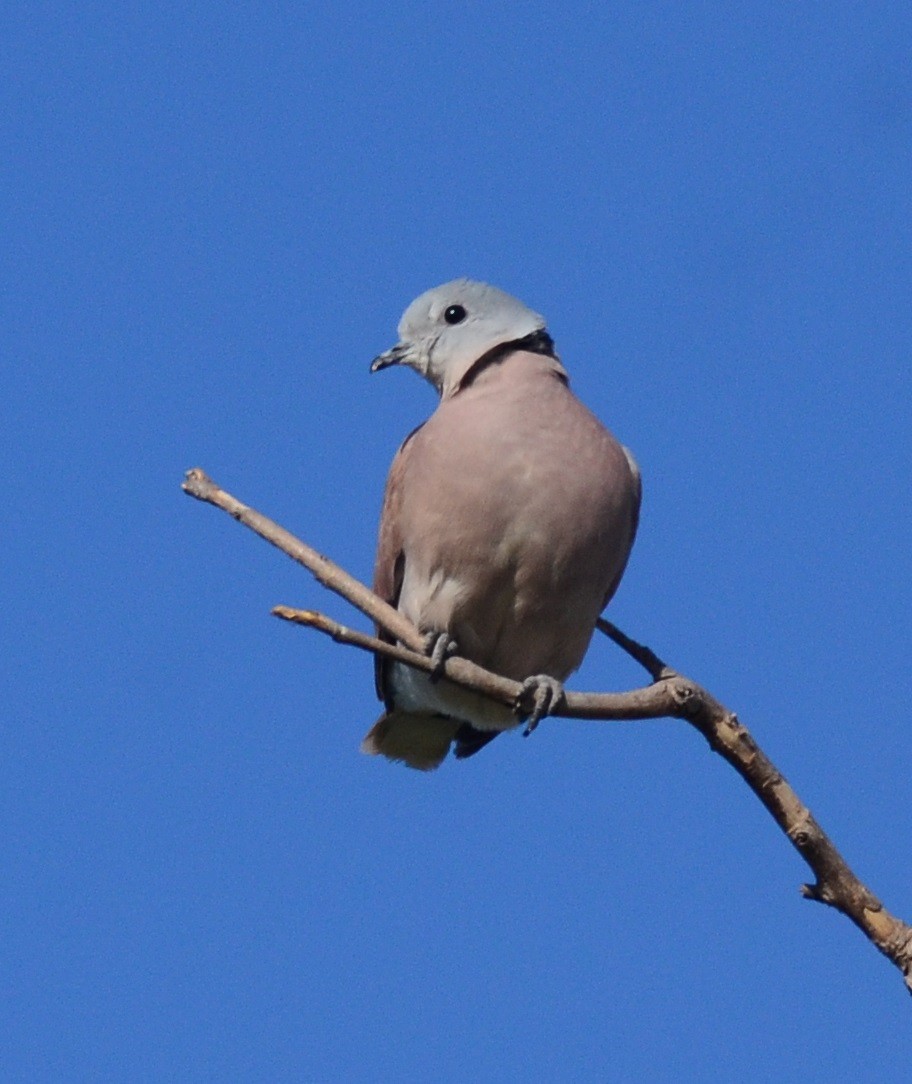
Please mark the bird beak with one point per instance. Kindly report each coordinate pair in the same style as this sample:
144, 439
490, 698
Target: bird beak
395, 356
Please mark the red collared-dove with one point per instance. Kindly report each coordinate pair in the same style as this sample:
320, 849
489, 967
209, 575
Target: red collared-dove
507, 522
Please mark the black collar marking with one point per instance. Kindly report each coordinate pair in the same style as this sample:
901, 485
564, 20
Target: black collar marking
539, 342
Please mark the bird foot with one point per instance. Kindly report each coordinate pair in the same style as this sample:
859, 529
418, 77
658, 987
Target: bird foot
438, 646
538, 697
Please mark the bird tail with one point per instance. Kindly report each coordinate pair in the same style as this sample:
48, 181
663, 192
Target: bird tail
419, 739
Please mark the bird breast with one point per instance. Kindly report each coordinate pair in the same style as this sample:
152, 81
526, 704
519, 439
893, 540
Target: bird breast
519, 516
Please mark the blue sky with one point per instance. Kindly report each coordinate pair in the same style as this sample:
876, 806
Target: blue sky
213, 217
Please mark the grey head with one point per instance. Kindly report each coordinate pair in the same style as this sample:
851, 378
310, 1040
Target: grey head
446, 330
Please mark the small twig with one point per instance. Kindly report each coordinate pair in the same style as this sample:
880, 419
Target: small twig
647, 658
497, 687
671, 694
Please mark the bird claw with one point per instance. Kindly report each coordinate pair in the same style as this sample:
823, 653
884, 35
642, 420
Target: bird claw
538, 697
438, 646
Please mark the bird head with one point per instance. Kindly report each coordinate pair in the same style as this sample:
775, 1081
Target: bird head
445, 331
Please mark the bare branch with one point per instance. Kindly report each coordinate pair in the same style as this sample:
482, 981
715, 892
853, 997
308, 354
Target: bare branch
671, 694
653, 702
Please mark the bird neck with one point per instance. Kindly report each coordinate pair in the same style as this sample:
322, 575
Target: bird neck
539, 342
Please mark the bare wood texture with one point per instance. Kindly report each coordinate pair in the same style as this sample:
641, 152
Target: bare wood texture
670, 694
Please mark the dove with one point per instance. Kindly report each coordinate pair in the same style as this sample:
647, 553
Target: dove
507, 522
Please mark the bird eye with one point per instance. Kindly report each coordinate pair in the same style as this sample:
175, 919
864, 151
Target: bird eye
455, 314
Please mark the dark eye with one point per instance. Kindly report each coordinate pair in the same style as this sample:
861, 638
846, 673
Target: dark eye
455, 314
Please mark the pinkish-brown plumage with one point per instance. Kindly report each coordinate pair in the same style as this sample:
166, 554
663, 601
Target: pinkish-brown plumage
507, 522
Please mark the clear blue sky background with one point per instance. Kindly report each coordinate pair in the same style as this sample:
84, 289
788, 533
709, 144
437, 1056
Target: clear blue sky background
213, 216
